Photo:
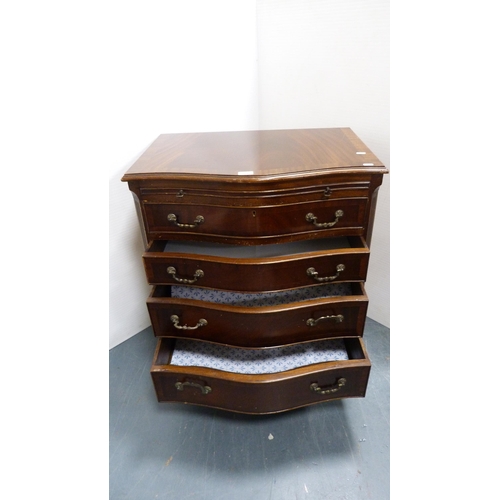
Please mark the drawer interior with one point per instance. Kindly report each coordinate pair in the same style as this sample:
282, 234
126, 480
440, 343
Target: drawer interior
191, 353
256, 361
256, 251
259, 299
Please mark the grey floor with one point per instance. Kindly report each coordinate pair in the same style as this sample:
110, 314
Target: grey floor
336, 450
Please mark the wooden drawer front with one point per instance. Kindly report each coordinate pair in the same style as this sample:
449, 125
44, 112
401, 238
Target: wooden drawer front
260, 393
263, 326
258, 224
234, 193
291, 270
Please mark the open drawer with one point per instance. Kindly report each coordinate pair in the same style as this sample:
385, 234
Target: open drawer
259, 319
257, 268
273, 380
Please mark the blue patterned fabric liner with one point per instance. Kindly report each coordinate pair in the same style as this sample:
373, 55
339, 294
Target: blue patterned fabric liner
256, 361
260, 299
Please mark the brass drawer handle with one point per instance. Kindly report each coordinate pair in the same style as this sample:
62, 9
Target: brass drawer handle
329, 389
175, 320
199, 219
312, 322
198, 274
312, 272
205, 389
312, 218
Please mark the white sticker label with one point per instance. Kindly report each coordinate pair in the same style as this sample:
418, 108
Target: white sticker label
360, 152
246, 172
368, 164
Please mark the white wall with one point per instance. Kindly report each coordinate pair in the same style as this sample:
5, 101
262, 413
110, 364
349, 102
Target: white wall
225, 65
325, 63
174, 67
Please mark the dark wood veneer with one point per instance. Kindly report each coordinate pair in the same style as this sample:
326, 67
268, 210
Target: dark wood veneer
259, 224
259, 326
261, 153
257, 274
260, 394
255, 189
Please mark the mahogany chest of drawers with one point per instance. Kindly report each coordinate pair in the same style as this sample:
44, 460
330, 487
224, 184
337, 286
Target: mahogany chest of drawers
257, 246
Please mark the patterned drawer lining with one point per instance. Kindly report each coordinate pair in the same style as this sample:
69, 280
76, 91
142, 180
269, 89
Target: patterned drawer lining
261, 299
256, 361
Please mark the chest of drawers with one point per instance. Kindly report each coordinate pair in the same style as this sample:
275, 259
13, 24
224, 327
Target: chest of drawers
257, 246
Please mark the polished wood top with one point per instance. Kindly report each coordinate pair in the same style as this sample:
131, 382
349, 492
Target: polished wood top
261, 153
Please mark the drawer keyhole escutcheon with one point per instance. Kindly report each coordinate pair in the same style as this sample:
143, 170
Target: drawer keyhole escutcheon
175, 320
310, 217
199, 219
313, 273
313, 322
328, 389
196, 276
205, 389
